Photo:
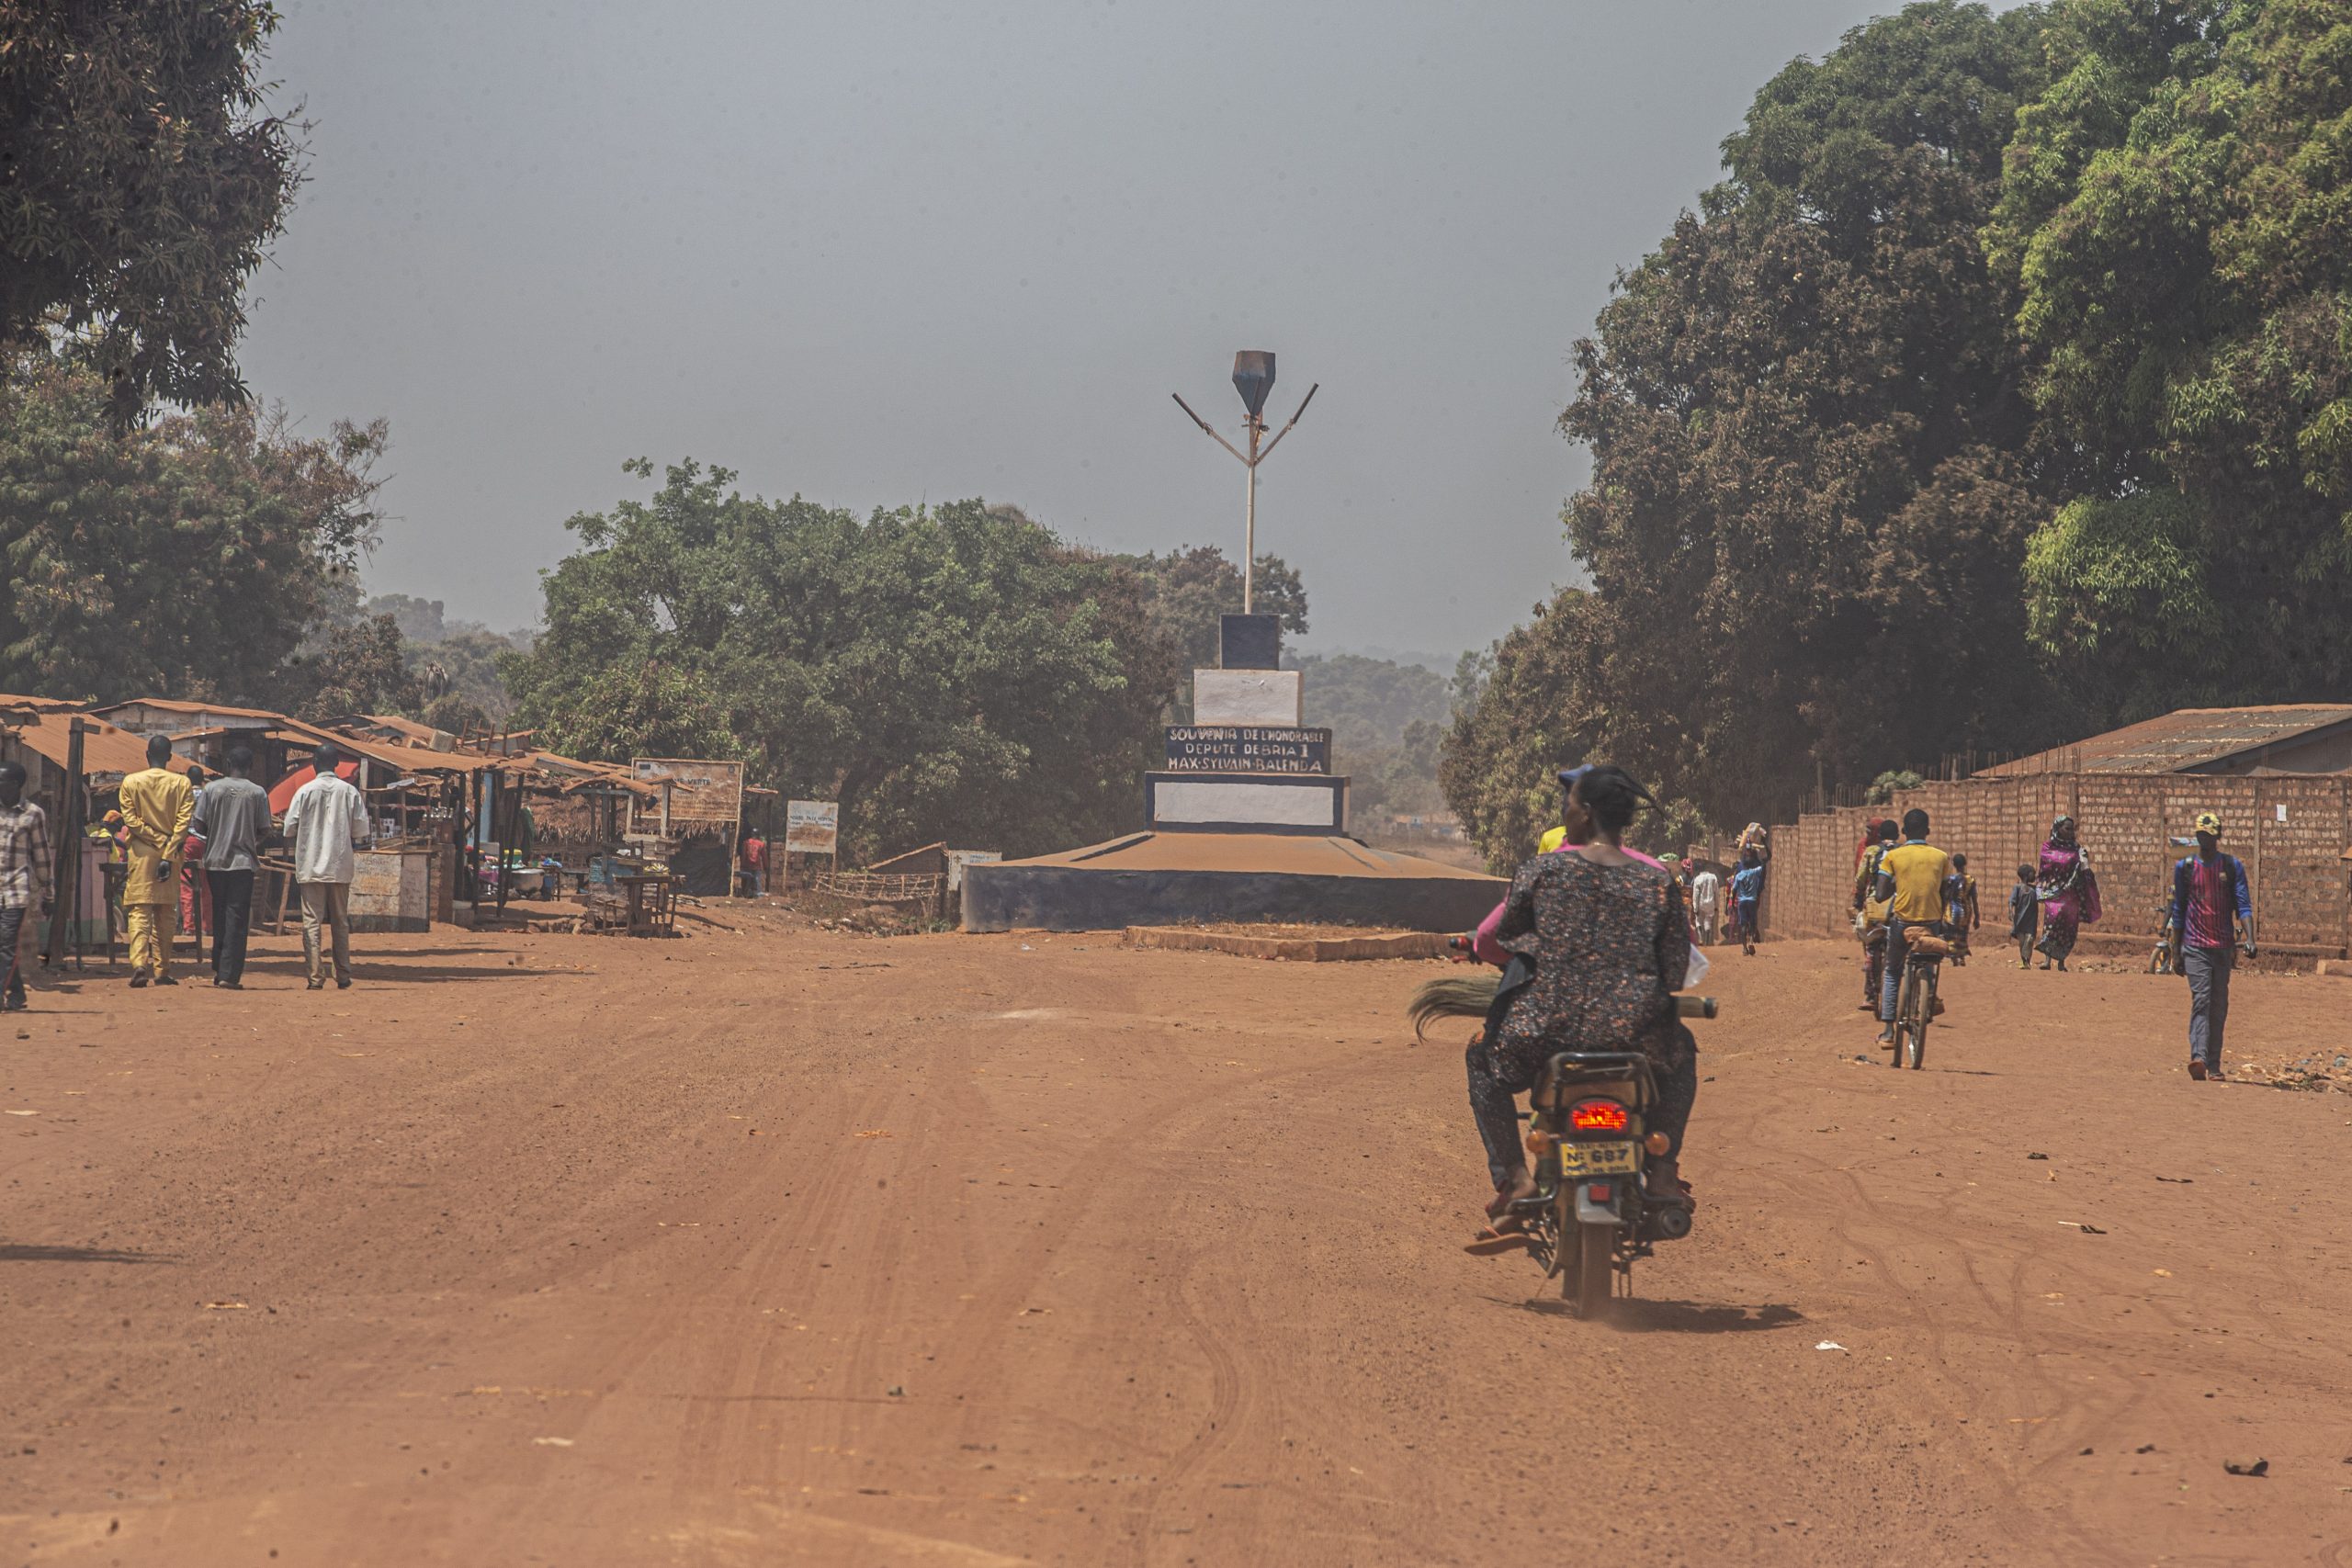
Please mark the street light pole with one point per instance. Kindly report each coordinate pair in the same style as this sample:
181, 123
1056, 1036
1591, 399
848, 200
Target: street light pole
1250, 526
1253, 377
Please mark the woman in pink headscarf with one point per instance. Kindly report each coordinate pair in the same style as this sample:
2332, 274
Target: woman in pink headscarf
2067, 890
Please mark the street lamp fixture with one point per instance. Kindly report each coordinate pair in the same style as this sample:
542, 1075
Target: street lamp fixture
1253, 377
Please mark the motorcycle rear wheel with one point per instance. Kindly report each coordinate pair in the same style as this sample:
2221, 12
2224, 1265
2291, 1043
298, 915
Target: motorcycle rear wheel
1591, 1280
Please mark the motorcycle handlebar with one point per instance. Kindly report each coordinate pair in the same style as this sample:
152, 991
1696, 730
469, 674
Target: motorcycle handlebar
1695, 1006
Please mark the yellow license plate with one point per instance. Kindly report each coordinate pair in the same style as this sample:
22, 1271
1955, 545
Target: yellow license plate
1596, 1160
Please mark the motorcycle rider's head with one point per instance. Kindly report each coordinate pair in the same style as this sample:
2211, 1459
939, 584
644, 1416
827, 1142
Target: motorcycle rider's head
1602, 802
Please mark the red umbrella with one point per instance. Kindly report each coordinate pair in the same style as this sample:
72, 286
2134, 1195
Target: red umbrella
281, 794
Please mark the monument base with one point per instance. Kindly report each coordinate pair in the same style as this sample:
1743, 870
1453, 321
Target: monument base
1188, 877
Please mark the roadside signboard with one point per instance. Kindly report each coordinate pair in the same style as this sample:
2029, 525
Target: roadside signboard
698, 790
958, 859
812, 827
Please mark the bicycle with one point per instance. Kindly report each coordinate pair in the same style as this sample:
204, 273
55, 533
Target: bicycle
1916, 1005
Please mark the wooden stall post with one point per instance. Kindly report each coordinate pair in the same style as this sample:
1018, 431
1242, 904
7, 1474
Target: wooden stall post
66, 869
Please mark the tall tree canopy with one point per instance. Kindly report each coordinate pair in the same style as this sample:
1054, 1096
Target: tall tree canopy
1187, 593
1811, 479
184, 557
141, 181
2180, 218
956, 670
2002, 392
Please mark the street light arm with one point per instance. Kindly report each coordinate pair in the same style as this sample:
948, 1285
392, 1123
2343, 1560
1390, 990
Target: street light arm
1286, 429
1208, 430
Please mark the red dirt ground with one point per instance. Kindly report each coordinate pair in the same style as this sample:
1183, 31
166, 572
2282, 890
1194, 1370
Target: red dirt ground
781, 1246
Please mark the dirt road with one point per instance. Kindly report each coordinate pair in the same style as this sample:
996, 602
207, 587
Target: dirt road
786, 1247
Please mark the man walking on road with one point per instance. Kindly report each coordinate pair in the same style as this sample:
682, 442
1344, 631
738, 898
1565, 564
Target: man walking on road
231, 815
157, 806
326, 821
1707, 904
24, 875
2212, 909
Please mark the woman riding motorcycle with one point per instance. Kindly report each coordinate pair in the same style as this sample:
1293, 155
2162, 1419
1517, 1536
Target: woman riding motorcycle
1597, 942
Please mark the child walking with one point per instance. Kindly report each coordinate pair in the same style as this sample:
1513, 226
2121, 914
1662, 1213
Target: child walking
2024, 916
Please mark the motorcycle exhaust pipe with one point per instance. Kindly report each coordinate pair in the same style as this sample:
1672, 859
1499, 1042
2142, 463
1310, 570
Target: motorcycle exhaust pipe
1672, 1221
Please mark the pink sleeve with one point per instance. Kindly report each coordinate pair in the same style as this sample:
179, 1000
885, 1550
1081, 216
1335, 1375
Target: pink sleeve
1485, 945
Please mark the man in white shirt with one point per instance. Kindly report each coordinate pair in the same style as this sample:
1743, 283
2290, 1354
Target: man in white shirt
326, 821
1706, 901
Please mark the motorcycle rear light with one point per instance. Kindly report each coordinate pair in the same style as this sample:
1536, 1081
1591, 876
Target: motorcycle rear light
1596, 1116
1600, 1191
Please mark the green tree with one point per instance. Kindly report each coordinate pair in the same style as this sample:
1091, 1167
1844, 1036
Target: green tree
1530, 714
1811, 493
183, 559
141, 180
1387, 721
1814, 468
954, 671
359, 669
1187, 591
2184, 251
1883, 787
648, 707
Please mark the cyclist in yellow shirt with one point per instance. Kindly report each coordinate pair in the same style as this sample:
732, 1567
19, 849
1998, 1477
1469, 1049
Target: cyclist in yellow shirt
1914, 874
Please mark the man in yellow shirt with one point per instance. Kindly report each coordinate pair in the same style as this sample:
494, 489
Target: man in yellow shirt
156, 807
1914, 874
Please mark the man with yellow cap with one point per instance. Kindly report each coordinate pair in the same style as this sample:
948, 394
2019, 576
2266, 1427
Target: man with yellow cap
2213, 911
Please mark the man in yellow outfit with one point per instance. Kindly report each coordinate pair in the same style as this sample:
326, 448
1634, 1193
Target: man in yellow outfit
156, 808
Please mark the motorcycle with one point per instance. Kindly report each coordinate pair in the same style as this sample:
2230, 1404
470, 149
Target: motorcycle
1594, 1214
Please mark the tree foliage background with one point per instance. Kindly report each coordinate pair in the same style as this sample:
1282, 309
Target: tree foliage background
186, 557
142, 179
955, 668
1997, 395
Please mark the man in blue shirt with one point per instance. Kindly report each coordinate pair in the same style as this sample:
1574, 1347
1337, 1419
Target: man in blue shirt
1748, 897
2213, 911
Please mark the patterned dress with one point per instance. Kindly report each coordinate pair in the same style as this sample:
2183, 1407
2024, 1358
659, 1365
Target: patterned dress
1597, 953
1610, 945
2068, 895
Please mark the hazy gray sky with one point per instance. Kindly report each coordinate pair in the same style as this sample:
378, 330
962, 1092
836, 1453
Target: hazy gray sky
879, 253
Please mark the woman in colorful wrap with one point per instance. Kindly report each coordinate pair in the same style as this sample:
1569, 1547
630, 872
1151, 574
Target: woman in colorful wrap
2067, 890
1598, 943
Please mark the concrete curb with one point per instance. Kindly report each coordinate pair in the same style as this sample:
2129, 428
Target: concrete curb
1295, 948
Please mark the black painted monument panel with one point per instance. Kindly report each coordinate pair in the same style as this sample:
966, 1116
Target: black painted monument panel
1249, 642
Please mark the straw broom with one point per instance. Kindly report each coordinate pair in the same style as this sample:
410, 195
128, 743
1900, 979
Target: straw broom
1453, 995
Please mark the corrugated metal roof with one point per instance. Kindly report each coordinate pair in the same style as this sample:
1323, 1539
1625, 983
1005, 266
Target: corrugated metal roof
2187, 738
105, 748
174, 705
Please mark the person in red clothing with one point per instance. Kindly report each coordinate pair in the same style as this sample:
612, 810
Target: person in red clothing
2213, 911
755, 863
195, 897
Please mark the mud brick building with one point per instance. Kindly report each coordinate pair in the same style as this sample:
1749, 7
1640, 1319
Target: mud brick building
2280, 778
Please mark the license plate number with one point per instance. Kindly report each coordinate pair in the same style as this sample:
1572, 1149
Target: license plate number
1596, 1160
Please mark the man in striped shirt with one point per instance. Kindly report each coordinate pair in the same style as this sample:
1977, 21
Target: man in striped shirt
24, 875
2213, 911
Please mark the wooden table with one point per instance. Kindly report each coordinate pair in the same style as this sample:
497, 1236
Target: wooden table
651, 905
281, 868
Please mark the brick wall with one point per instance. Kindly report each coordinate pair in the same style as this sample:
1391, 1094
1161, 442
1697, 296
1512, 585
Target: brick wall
2125, 821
